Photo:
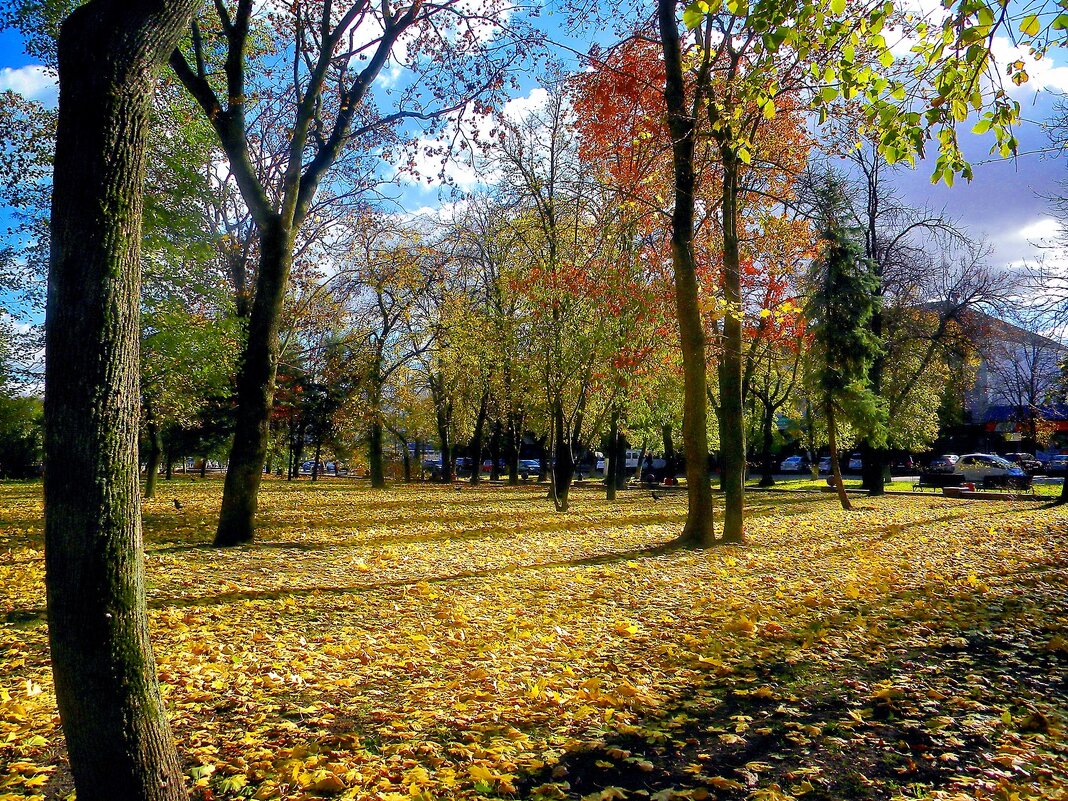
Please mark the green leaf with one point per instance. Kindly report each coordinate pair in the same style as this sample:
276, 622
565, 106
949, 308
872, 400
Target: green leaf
886, 58
981, 127
692, 15
1030, 26
838, 6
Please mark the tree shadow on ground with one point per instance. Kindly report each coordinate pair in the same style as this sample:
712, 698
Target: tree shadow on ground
850, 729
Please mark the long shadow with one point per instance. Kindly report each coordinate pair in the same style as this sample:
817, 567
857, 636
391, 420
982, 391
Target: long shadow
661, 750
562, 524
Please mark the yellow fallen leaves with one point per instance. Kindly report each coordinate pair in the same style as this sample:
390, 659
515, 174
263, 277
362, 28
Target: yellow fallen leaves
422, 645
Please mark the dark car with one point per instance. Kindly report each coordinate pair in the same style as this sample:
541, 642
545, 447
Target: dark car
1026, 461
1057, 465
942, 464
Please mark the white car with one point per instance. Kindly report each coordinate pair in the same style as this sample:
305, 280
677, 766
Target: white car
988, 470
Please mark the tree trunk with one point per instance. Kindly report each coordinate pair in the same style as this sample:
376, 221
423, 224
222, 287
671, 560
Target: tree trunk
255, 390
767, 461
292, 442
731, 416
374, 455
317, 457
407, 460
563, 468
168, 465
515, 443
698, 530
875, 463
611, 464
475, 449
495, 451
117, 737
443, 417
836, 470
543, 460
155, 452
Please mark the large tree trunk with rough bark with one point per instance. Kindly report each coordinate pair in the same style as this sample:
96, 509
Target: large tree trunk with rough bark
117, 736
255, 390
731, 415
698, 530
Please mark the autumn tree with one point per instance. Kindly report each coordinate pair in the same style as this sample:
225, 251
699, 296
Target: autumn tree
485, 240
118, 739
282, 149
383, 276
553, 206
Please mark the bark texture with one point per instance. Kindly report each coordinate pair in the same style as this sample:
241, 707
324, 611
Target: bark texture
118, 739
698, 530
255, 391
731, 415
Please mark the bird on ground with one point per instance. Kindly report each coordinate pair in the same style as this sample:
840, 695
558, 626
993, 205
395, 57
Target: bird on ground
655, 496
177, 504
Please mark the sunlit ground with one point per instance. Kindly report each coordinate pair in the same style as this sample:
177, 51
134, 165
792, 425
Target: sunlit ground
426, 642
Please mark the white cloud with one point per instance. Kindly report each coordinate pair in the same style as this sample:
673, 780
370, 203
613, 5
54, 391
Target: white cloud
464, 168
519, 107
1043, 74
1041, 229
33, 81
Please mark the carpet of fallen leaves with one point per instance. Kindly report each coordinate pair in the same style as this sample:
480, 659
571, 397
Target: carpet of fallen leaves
424, 643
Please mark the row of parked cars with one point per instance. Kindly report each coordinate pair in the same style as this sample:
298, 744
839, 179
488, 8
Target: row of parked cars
801, 464
527, 467
1052, 465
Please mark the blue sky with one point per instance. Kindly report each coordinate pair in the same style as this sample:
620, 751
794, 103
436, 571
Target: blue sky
1005, 201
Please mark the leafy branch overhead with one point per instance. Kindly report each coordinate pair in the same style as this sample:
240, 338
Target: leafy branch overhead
849, 54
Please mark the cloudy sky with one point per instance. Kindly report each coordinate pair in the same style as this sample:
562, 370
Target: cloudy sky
1005, 202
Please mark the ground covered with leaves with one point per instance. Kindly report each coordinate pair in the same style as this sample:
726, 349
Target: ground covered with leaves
425, 643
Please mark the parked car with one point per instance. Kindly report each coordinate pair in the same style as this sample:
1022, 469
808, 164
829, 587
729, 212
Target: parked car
529, 467
1057, 465
1027, 461
855, 464
794, 464
988, 470
942, 464
825, 464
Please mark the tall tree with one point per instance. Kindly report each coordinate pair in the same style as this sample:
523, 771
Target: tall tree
118, 739
282, 150
840, 309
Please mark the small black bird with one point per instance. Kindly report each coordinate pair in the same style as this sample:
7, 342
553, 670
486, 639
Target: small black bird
655, 496
177, 504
